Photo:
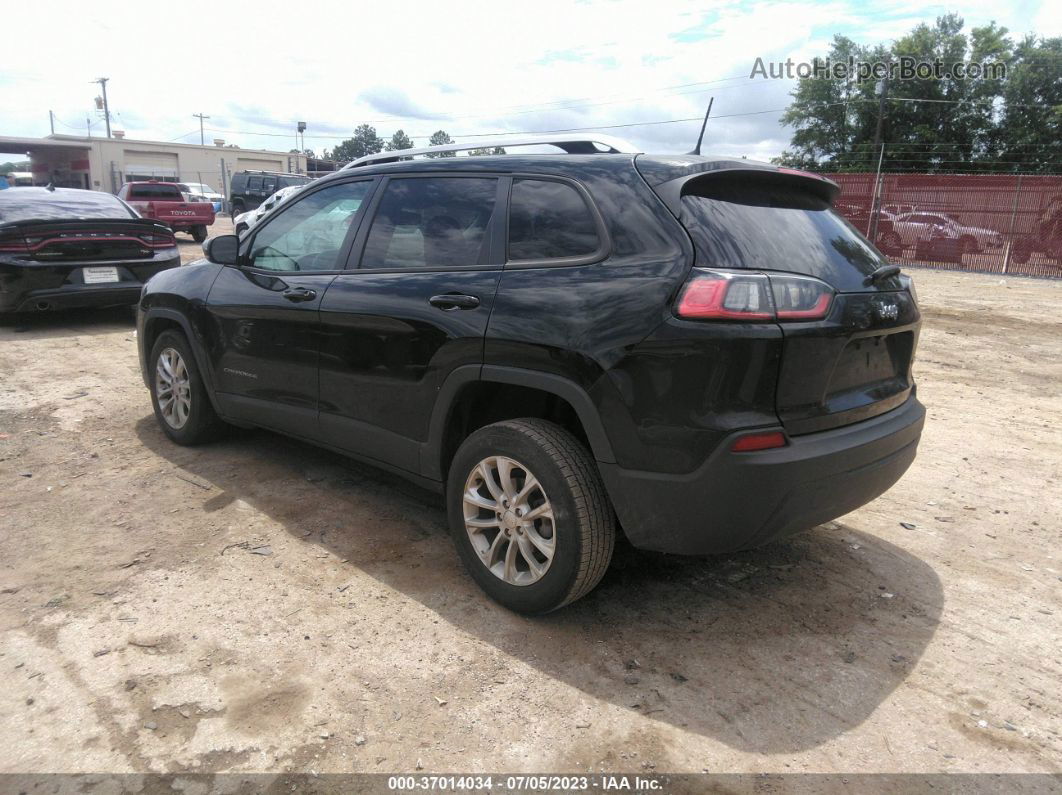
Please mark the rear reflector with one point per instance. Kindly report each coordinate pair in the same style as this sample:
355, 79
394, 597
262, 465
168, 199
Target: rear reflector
735, 295
759, 441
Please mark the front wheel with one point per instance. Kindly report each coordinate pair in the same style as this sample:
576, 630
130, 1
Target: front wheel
529, 515
178, 394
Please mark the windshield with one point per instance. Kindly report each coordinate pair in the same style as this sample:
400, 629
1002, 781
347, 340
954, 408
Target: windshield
198, 187
774, 227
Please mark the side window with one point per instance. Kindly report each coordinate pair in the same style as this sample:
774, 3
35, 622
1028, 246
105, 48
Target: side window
254, 183
432, 222
308, 235
549, 220
269, 184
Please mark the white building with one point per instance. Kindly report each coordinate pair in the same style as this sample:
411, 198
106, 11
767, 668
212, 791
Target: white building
108, 163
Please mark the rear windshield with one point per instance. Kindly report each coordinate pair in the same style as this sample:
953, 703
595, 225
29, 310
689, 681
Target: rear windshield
774, 227
38, 204
166, 192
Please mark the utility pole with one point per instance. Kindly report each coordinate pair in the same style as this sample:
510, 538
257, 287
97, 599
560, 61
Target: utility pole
883, 93
106, 108
51, 121
200, 116
879, 148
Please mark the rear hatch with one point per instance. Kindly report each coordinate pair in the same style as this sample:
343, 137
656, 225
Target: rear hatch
854, 362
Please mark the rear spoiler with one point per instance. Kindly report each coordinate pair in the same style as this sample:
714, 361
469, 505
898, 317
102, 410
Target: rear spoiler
671, 190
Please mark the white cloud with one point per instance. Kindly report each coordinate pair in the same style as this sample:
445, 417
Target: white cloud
467, 67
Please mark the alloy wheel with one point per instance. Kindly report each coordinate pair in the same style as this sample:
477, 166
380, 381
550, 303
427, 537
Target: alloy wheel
173, 389
509, 520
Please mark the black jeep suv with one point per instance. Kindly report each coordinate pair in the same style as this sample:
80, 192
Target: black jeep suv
698, 351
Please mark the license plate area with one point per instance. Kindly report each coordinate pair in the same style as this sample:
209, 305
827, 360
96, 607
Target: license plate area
867, 362
102, 274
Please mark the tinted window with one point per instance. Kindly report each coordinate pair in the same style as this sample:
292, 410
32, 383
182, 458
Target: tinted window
758, 224
308, 235
165, 191
269, 184
38, 204
548, 220
431, 222
254, 183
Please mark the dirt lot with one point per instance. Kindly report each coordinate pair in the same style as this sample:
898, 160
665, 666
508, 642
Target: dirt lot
262, 605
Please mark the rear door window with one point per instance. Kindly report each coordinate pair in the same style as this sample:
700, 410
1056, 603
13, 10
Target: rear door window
757, 224
432, 222
549, 220
254, 183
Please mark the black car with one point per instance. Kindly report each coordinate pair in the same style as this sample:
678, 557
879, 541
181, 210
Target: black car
61, 248
248, 189
698, 351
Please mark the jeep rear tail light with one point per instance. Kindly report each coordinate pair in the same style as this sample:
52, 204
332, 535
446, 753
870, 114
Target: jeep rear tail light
735, 295
800, 297
725, 295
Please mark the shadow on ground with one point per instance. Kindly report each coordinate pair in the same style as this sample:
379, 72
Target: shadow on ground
69, 322
776, 650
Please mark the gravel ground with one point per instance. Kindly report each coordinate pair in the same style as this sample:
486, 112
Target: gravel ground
261, 605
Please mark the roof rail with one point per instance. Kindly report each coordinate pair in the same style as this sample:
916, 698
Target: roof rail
572, 144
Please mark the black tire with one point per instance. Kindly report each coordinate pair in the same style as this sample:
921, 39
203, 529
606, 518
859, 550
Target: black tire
891, 244
202, 423
199, 233
240, 229
236, 209
584, 528
1022, 252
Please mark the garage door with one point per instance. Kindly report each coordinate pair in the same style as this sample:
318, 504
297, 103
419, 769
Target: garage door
260, 164
141, 165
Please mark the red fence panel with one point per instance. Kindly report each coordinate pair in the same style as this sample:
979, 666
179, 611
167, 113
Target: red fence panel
996, 223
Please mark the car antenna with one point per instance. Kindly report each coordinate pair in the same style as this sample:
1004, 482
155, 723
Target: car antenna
700, 138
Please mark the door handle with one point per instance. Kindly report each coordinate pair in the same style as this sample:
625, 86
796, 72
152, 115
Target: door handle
452, 301
297, 294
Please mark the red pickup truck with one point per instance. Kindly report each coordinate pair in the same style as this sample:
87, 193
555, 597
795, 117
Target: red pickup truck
163, 201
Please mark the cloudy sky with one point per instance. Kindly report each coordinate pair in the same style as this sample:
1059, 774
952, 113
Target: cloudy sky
467, 67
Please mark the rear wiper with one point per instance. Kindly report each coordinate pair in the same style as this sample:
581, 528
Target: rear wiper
884, 272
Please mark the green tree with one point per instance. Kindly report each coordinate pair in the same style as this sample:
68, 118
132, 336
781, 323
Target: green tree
1030, 128
935, 123
399, 141
365, 141
440, 138
826, 114
490, 150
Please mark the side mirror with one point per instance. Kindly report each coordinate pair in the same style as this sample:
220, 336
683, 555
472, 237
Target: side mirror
222, 250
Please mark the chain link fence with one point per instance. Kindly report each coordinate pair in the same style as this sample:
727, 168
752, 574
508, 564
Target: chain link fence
992, 223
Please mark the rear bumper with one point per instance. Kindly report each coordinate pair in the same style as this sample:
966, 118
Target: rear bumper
76, 296
740, 500
36, 291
